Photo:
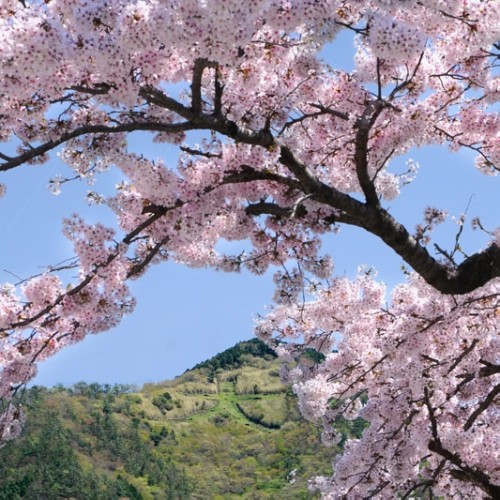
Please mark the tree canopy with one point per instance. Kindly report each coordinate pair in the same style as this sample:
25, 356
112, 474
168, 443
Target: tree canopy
292, 150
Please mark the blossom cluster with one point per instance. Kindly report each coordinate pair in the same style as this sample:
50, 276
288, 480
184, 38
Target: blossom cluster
281, 128
394, 41
416, 371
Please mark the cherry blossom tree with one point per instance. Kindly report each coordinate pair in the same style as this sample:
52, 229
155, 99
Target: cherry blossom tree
292, 150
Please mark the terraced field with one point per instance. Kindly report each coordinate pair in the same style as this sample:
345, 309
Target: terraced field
226, 429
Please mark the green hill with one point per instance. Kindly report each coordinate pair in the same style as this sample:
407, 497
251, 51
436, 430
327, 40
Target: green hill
226, 429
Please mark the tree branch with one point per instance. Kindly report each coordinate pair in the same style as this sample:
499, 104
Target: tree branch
218, 93
482, 407
35, 152
213, 122
471, 274
199, 67
464, 473
266, 208
364, 125
138, 267
97, 89
198, 152
322, 111
248, 174
463, 355
489, 369
24, 322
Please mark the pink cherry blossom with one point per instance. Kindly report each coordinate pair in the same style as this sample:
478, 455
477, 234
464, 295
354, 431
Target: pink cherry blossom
292, 149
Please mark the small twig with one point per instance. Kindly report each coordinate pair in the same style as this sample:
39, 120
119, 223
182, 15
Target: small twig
330, 111
445, 253
197, 152
379, 79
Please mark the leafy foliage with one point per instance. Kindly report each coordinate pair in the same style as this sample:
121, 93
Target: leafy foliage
164, 402
235, 356
175, 440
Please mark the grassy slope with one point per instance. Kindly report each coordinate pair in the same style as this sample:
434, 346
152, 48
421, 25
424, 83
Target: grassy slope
226, 429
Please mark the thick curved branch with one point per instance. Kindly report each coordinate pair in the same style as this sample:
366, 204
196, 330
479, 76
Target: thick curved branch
36, 152
266, 208
473, 273
205, 121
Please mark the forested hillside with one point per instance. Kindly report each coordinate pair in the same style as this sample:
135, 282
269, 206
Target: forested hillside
226, 429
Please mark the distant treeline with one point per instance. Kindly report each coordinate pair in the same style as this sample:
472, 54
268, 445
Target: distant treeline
234, 357
66, 424
90, 390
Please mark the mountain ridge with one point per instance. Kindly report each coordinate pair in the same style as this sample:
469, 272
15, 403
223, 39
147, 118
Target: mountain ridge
227, 428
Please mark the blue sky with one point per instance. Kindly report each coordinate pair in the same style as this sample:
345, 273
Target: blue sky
184, 316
